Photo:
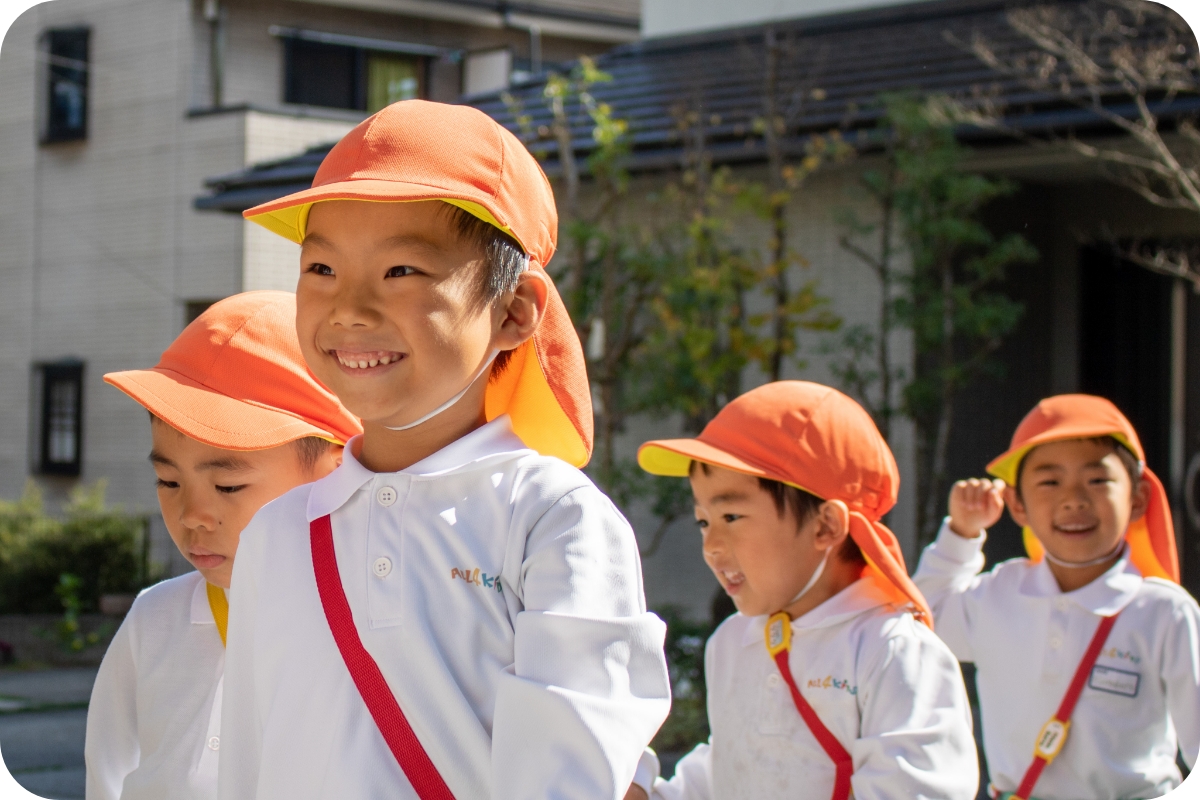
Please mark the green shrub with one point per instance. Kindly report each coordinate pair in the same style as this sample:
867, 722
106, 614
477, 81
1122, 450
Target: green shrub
98, 545
687, 725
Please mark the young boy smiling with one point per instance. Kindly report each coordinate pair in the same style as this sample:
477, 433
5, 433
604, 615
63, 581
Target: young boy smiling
236, 420
826, 682
1088, 649
361, 663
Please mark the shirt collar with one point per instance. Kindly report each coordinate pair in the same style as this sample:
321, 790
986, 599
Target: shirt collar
1105, 596
201, 611
335, 489
857, 598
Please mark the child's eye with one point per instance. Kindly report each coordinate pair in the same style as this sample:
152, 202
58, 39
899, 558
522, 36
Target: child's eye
161, 484
731, 517
701, 524
321, 269
400, 272
231, 489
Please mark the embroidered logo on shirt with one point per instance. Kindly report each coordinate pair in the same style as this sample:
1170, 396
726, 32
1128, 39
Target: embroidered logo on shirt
477, 578
1115, 681
830, 682
1127, 655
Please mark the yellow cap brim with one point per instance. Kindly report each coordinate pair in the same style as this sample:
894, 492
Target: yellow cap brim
673, 458
288, 216
1005, 466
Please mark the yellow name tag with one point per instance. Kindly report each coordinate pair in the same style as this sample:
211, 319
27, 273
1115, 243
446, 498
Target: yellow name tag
1051, 739
779, 633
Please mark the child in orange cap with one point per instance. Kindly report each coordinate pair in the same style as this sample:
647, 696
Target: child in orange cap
828, 682
236, 420
456, 611
1087, 653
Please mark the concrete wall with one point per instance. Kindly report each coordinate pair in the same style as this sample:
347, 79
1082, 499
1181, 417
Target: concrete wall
101, 241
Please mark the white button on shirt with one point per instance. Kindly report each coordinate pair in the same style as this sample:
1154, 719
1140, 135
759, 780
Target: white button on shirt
512, 629
880, 681
1027, 638
155, 711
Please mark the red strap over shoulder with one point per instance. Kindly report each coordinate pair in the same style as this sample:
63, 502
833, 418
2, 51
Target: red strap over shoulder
1053, 735
398, 734
779, 645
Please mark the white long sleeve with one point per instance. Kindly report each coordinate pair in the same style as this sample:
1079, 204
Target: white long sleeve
881, 683
692, 779
111, 748
500, 594
155, 711
1026, 637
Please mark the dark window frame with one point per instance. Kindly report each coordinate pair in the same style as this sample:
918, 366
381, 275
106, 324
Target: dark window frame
67, 55
68, 373
356, 96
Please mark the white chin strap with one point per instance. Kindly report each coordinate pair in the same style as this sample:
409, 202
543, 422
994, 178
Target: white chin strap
1079, 564
816, 576
486, 366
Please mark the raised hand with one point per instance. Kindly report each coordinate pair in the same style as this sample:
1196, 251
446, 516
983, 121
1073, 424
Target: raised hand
975, 504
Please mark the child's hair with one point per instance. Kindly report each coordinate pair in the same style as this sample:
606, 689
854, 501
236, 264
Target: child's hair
1128, 460
803, 507
504, 260
308, 449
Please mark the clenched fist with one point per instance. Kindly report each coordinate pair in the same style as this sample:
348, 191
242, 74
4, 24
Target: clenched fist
975, 505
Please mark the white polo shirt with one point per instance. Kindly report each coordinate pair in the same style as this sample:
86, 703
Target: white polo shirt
155, 714
1026, 638
880, 681
500, 594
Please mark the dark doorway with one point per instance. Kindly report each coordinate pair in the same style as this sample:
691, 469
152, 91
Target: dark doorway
1125, 345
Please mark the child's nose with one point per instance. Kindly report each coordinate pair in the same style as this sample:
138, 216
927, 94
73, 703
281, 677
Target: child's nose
196, 515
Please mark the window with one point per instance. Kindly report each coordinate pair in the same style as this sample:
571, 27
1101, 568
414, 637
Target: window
193, 309
61, 427
66, 55
355, 78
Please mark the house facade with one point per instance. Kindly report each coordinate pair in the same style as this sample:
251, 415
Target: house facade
112, 115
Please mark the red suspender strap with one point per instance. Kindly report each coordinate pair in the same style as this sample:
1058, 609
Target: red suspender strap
779, 645
405, 746
1053, 735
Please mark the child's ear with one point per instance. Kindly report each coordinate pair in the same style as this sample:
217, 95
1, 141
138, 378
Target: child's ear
1016, 507
1140, 501
520, 315
834, 516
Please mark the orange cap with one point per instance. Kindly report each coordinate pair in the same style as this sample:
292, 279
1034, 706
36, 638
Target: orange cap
418, 150
817, 439
235, 379
1084, 416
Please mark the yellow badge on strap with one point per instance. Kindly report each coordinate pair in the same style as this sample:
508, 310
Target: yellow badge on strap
1051, 739
220, 608
779, 633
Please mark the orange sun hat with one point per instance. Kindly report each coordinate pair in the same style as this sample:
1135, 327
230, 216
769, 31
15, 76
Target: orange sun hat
236, 379
417, 150
1083, 416
816, 439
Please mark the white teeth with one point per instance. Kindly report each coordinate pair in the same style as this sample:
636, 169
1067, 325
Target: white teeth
366, 363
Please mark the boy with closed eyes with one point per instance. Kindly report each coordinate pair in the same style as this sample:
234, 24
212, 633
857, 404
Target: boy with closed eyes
236, 420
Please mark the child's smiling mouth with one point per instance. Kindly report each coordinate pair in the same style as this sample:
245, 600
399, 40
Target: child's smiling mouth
1075, 528
359, 362
731, 581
